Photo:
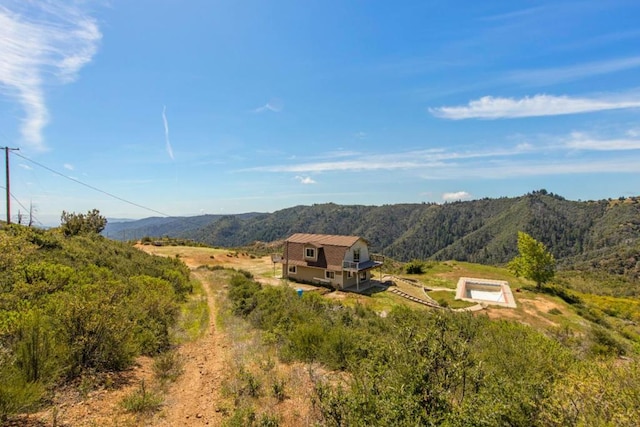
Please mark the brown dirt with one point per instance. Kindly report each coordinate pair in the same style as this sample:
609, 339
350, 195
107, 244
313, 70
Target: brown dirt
532, 310
98, 405
191, 400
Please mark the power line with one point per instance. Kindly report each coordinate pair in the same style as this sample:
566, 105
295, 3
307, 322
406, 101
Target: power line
183, 219
92, 187
23, 207
32, 216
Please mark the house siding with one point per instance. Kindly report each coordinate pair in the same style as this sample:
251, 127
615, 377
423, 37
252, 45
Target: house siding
364, 251
330, 253
311, 275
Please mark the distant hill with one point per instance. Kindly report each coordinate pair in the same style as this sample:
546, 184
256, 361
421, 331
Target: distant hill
160, 226
590, 234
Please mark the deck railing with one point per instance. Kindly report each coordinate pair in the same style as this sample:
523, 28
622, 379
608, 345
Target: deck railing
350, 265
353, 265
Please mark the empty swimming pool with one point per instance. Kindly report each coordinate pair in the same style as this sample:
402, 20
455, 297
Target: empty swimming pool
496, 292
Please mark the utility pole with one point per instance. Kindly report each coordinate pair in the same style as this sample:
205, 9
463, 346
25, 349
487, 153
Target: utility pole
6, 159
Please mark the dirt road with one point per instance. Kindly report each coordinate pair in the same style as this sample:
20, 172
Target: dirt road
191, 400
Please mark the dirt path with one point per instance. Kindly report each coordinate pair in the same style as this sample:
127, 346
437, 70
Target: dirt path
191, 400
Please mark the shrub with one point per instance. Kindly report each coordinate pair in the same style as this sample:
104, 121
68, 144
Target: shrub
605, 343
242, 293
246, 273
95, 331
243, 416
278, 388
306, 340
73, 223
267, 420
34, 348
142, 400
168, 366
563, 293
16, 393
414, 267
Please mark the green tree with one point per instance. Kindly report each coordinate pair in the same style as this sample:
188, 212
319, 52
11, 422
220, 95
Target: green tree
73, 224
534, 262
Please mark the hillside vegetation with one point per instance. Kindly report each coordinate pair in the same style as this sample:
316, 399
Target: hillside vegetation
591, 235
72, 305
564, 356
418, 367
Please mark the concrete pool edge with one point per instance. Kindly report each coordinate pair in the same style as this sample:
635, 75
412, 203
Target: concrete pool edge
500, 286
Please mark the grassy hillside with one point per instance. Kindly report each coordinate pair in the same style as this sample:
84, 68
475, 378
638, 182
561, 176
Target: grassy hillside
76, 305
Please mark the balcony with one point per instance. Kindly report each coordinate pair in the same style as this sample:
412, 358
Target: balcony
374, 262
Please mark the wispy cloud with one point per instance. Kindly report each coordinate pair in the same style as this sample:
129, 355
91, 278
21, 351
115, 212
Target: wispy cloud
305, 180
274, 105
582, 141
166, 132
534, 155
23, 166
519, 15
458, 195
489, 107
549, 76
429, 158
534, 167
68, 166
40, 40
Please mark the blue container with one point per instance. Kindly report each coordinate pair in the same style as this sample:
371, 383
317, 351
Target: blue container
299, 291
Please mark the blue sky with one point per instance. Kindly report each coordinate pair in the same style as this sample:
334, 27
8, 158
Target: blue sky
191, 107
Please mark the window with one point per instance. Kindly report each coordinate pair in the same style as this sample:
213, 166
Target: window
310, 253
356, 255
349, 274
329, 274
363, 275
293, 269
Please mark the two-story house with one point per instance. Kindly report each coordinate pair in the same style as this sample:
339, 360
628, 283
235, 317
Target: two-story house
339, 261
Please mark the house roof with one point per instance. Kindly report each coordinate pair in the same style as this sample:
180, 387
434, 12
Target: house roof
323, 239
331, 249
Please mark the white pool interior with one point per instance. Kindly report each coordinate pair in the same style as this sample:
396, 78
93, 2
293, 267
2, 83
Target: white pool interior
486, 291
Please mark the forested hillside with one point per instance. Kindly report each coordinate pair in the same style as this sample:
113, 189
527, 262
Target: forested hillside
590, 234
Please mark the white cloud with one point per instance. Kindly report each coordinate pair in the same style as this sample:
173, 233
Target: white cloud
23, 166
166, 133
68, 166
489, 107
582, 141
528, 155
305, 180
274, 105
41, 42
458, 195
389, 161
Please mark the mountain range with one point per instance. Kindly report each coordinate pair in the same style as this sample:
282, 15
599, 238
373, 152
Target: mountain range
587, 234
